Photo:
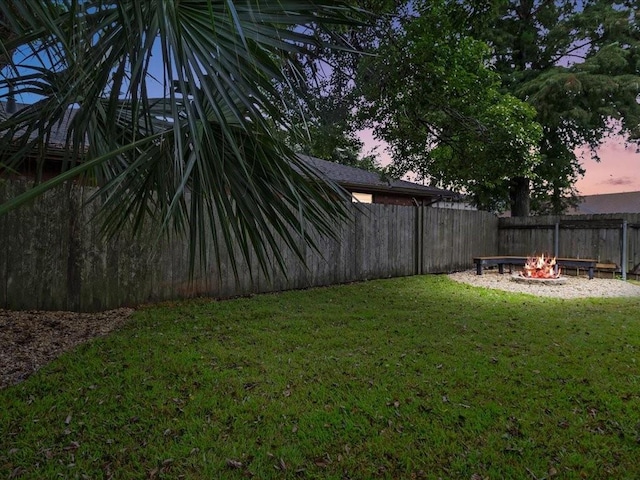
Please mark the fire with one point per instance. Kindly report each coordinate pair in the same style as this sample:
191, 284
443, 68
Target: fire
541, 267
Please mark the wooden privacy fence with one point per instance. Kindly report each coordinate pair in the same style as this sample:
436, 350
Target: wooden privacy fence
608, 238
52, 256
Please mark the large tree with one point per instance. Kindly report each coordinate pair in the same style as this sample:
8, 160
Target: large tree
578, 65
575, 63
329, 100
433, 96
328, 131
174, 110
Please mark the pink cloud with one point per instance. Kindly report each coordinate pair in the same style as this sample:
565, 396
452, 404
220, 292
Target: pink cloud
619, 181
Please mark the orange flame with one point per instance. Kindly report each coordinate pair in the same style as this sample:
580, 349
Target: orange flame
541, 267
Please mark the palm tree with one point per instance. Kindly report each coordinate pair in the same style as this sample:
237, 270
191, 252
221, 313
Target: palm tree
172, 108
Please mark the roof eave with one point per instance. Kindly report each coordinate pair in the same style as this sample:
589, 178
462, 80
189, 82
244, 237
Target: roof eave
414, 192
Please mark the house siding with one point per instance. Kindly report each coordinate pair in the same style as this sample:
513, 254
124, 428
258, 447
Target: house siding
385, 199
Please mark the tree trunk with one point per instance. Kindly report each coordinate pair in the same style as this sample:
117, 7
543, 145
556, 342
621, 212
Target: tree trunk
519, 197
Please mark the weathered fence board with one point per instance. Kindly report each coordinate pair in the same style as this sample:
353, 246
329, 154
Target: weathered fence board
52, 256
37, 241
452, 238
633, 253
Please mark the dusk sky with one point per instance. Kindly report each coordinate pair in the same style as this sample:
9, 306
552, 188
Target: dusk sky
618, 170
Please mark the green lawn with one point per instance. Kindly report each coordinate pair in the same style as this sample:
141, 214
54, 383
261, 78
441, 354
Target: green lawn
416, 377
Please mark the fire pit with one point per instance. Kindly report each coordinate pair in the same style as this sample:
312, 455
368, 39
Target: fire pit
540, 270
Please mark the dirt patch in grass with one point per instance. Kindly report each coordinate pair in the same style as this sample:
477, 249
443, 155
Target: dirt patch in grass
31, 339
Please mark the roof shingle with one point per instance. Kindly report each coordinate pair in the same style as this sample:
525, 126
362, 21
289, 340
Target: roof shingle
353, 178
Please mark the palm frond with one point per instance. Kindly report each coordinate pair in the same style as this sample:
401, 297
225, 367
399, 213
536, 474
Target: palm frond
175, 114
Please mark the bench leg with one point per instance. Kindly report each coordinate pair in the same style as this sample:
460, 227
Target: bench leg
590, 273
479, 268
501, 268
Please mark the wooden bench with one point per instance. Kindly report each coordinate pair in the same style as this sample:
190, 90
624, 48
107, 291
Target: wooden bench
584, 263
606, 270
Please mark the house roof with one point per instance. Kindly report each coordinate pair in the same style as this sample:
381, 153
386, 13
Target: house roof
350, 178
58, 134
626, 202
357, 179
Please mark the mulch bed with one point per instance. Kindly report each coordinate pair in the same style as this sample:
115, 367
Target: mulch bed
31, 339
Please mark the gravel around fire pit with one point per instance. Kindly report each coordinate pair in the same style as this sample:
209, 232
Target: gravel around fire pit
575, 287
31, 339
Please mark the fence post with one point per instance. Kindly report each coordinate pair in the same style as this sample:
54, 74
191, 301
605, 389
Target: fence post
419, 231
623, 253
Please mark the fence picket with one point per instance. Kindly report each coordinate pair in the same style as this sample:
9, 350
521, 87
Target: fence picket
52, 257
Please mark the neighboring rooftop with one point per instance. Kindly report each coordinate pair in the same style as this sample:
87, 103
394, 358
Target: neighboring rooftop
357, 179
625, 202
351, 178
58, 135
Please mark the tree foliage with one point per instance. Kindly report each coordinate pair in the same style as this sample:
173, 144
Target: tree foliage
432, 95
206, 145
327, 107
328, 131
577, 64
443, 101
